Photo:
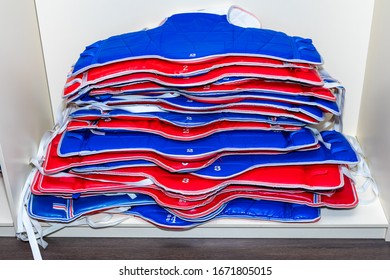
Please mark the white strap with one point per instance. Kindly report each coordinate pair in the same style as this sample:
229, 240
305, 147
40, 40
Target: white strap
128, 108
363, 171
23, 199
240, 17
26, 229
31, 236
235, 15
46, 139
348, 173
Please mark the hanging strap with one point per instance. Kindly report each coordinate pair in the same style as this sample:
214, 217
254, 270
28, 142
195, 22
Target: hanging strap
336, 122
29, 229
361, 170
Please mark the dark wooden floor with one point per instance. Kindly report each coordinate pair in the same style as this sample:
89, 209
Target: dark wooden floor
201, 249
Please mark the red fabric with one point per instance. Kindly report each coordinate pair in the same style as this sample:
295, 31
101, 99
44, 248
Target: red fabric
71, 185
188, 68
303, 75
192, 206
311, 177
345, 197
247, 85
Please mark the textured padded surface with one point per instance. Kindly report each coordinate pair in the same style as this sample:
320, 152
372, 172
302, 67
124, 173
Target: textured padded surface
173, 132
343, 198
340, 152
56, 209
251, 85
193, 36
315, 177
302, 75
63, 183
182, 69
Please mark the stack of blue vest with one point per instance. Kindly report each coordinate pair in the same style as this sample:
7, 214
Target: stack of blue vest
197, 98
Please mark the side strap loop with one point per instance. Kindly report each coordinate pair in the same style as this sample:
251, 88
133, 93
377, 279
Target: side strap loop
361, 170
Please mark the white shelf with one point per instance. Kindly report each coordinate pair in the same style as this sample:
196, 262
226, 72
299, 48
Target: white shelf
364, 221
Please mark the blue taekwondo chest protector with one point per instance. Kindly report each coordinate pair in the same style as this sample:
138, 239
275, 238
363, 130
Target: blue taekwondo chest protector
190, 36
339, 152
88, 142
58, 209
242, 208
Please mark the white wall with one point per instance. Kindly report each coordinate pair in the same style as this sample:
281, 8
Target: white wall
340, 30
374, 127
25, 112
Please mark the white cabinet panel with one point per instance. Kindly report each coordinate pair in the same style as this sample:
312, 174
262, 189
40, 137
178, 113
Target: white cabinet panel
6, 221
25, 109
374, 128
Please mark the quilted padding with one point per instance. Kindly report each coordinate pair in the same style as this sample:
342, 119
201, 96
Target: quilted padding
193, 36
58, 209
88, 142
339, 152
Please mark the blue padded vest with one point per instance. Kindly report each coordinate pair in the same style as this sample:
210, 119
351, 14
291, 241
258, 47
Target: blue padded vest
340, 152
56, 209
191, 36
88, 142
238, 208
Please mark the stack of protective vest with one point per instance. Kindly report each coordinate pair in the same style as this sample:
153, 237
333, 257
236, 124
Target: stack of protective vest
195, 120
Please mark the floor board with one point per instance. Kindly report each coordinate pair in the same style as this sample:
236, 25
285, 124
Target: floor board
201, 249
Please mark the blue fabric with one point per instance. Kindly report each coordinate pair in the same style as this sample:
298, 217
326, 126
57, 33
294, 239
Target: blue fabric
112, 165
197, 35
58, 209
84, 142
188, 120
242, 208
340, 152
